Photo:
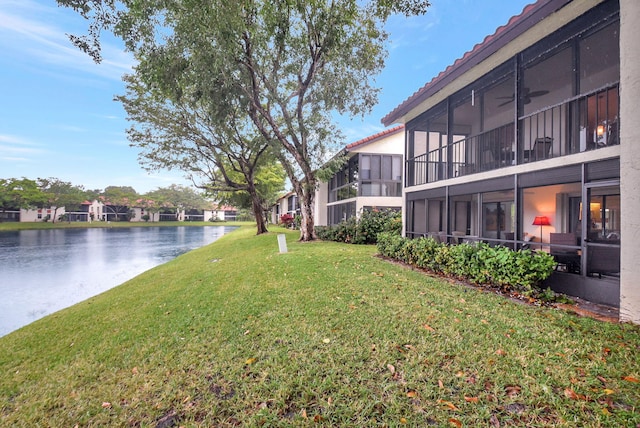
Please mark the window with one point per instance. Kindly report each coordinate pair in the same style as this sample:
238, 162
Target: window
365, 162
341, 212
599, 59
548, 81
498, 214
381, 175
344, 185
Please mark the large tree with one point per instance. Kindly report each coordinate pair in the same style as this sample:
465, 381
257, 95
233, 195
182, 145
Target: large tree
176, 197
18, 193
294, 62
58, 194
269, 183
118, 201
181, 122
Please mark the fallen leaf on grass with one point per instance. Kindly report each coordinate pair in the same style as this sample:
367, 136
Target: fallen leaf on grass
391, 369
403, 421
448, 404
470, 399
106, 405
250, 361
428, 327
630, 379
501, 352
571, 394
326, 340
494, 421
512, 390
412, 394
608, 391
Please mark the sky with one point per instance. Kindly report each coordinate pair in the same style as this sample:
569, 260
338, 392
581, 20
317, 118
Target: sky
58, 117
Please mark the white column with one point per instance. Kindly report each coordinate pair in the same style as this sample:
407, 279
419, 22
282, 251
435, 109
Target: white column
630, 160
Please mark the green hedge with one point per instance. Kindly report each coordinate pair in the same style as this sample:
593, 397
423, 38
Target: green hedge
478, 263
363, 230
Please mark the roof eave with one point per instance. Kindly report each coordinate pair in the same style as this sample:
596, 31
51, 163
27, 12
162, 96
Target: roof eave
517, 25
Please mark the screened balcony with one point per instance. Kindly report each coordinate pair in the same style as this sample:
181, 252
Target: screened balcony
588, 122
549, 101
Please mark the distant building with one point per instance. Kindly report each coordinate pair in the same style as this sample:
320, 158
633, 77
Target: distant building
370, 179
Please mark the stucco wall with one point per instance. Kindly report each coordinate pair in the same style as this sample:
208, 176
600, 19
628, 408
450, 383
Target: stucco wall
630, 159
320, 206
392, 144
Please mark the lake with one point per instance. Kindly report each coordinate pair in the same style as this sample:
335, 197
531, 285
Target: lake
43, 271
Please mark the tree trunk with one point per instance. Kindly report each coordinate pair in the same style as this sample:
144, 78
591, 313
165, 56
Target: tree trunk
55, 214
256, 206
307, 230
261, 225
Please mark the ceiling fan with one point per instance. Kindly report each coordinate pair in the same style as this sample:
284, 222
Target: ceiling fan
526, 96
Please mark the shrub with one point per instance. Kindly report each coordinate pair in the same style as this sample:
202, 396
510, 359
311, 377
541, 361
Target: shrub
480, 264
287, 219
363, 230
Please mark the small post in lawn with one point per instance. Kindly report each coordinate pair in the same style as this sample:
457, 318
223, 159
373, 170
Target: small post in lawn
282, 242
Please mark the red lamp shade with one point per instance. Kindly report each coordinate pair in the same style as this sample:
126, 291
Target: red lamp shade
541, 220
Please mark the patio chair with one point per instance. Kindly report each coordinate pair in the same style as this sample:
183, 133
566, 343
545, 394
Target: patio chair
541, 150
527, 242
457, 236
567, 257
603, 260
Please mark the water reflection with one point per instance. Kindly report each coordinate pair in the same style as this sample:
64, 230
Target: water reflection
42, 271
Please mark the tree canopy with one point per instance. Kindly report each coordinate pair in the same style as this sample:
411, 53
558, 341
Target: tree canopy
180, 123
291, 63
58, 194
18, 193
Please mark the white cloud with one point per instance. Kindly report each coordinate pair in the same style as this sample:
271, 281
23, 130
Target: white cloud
15, 159
15, 148
27, 31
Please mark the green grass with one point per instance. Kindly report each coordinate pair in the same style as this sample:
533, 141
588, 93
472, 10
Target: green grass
235, 334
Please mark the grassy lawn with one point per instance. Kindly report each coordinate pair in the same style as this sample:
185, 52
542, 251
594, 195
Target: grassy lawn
235, 334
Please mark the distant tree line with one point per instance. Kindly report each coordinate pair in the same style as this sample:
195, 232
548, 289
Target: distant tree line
24, 193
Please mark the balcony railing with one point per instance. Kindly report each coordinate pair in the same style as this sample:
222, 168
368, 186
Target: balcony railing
583, 123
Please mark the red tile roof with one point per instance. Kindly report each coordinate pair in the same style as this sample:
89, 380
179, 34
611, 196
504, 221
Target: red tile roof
375, 137
518, 24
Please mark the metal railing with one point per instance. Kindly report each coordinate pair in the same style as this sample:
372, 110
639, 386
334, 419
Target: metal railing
587, 122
